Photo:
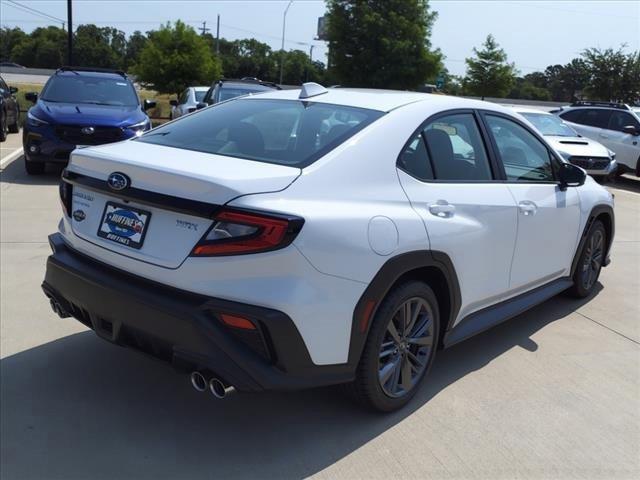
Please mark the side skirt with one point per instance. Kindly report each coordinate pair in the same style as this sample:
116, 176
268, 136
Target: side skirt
491, 316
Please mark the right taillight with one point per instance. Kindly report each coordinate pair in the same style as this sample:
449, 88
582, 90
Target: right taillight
237, 232
66, 198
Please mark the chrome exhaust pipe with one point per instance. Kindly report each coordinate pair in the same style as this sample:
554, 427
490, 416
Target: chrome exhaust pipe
219, 389
198, 381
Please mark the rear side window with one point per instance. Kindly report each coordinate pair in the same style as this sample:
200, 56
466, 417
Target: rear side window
596, 118
284, 132
574, 116
415, 160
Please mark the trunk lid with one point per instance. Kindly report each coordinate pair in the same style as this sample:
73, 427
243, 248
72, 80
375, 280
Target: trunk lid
169, 203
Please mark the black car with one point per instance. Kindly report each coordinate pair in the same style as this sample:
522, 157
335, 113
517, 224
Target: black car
9, 110
225, 89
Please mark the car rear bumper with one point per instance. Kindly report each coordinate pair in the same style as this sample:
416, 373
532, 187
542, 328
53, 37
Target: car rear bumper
184, 328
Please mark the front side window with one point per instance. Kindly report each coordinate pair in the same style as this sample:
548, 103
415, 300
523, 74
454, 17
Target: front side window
525, 158
92, 90
619, 120
284, 132
456, 149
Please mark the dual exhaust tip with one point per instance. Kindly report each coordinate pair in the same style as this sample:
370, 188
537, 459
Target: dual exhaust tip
216, 386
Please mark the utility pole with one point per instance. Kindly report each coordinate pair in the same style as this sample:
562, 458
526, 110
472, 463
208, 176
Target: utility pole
203, 29
69, 34
284, 24
218, 36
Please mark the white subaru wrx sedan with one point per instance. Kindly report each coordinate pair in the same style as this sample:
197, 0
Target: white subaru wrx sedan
320, 236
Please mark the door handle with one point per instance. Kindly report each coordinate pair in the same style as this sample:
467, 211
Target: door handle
442, 209
527, 207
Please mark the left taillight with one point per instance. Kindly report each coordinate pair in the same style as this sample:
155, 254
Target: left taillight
66, 196
238, 232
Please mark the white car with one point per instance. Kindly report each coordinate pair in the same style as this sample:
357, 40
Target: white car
257, 251
187, 102
592, 156
615, 125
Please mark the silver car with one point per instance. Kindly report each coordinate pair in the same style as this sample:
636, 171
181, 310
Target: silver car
594, 157
187, 101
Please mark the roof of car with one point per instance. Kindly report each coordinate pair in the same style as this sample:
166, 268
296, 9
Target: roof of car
200, 88
89, 73
381, 100
530, 110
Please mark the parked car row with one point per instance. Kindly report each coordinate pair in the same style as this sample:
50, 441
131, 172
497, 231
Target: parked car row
195, 98
9, 110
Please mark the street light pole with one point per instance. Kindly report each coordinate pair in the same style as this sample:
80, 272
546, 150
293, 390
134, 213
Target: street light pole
69, 35
284, 24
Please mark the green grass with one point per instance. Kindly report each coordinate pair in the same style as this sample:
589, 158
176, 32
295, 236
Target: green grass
158, 115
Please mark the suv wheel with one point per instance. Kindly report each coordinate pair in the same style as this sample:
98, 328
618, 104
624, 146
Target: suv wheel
400, 348
3, 128
14, 128
590, 262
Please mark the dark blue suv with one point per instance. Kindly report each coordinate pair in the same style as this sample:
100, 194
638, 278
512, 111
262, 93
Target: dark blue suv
79, 107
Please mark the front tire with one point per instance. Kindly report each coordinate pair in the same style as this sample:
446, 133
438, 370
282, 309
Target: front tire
33, 168
3, 128
400, 348
590, 261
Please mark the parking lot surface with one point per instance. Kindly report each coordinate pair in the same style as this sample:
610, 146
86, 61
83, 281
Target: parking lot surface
553, 393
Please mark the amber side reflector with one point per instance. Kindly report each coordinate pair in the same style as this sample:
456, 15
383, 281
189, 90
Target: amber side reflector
366, 315
237, 322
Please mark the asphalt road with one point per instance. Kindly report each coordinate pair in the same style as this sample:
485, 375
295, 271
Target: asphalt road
554, 393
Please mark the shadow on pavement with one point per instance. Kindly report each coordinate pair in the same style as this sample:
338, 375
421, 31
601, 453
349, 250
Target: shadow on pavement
14, 173
79, 407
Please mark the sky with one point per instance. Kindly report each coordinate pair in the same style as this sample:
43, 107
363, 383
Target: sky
534, 34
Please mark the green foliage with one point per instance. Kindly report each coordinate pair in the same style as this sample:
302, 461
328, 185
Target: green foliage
175, 57
566, 82
613, 74
9, 38
44, 48
135, 44
489, 74
526, 89
381, 43
99, 47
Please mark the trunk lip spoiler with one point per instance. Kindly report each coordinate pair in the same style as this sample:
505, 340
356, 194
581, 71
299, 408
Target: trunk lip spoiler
147, 197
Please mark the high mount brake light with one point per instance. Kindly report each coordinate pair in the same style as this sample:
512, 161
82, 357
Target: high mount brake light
237, 232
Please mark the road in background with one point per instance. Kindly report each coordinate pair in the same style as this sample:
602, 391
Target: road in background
553, 393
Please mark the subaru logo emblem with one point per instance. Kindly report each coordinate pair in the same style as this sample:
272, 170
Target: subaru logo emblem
88, 130
118, 181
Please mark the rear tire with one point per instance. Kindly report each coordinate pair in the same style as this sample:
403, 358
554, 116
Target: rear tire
397, 355
33, 168
590, 262
3, 127
14, 127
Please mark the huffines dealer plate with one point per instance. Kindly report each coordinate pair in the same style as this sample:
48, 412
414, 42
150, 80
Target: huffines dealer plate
124, 225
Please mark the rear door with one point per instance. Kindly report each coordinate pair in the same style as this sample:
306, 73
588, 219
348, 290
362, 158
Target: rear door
626, 145
446, 173
589, 121
548, 218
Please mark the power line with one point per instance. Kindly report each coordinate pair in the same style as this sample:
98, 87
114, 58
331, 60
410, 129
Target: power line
33, 11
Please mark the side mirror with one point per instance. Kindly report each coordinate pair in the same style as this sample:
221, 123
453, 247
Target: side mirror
147, 104
31, 96
631, 129
13, 90
201, 105
173, 103
571, 176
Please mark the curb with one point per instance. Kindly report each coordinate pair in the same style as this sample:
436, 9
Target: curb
11, 157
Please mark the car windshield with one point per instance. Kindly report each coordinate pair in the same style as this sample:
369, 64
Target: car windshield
229, 92
200, 95
87, 89
284, 132
549, 124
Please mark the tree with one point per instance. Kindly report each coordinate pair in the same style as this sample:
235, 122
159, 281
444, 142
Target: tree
102, 47
488, 73
614, 75
381, 43
135, 44
9, 38
175, 57
524, 88
565, 82
44, 48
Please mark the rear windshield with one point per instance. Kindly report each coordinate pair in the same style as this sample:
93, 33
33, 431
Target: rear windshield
94, 90
200, 95
285, 132
233, 91
549, 124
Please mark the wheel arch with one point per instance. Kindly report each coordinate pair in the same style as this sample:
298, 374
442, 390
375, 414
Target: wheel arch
605, 214
432, 267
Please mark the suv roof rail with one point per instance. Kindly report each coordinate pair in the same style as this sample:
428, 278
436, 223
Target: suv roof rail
67, 68
590, 103
253, 80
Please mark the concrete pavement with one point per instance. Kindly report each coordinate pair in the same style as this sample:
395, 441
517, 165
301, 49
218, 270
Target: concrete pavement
554, 393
